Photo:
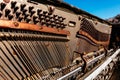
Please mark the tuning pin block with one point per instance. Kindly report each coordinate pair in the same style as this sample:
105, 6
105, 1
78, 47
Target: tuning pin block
7, 12
13, 3
2, 6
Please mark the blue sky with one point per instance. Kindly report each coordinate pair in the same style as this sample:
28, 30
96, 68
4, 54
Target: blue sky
102, 8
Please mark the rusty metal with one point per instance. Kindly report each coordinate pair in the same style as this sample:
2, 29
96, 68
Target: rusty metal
97, 42
7, 1
31, 27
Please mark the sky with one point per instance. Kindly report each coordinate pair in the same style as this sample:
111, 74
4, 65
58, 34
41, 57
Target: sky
104, 9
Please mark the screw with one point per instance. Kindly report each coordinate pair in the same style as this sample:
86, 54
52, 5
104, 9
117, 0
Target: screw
16, 24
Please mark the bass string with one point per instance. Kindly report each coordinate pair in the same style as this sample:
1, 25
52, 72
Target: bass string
20, 54
8, 56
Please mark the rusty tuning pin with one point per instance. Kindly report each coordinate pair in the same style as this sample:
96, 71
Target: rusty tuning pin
25, 16
0, 14
7, 12
20, 19
24, 11
31, 13
22, 7
18, 14
13, 4
35, 19
31, 8
10, 17
38, 11
15, 9
2, 6
28, 20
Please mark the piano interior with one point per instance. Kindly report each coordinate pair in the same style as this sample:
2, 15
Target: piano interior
52, 40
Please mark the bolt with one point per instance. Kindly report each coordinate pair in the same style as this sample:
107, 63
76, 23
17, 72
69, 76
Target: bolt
16, 24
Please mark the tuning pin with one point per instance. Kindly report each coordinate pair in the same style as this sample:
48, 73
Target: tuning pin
63, 25
54, 15
7, 11
25, 16
47, 19
57, 22
40, 15
59, 17
49, 14
53, 24
43, 22
20, 19
0, 14
51, 20
13, 3
31, 8
58, 25
35, 19
15, 9
28, 20
24, 11
45, 12
63, 18
18, 14
10, 17
38, 11
2, 6
31, 13
48, 23
35, 22
22, 6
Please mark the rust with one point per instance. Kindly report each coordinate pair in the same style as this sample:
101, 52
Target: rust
91, 38
6, 1
31, 27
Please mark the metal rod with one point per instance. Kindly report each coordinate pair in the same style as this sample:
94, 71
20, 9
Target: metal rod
102, 67
70, 74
